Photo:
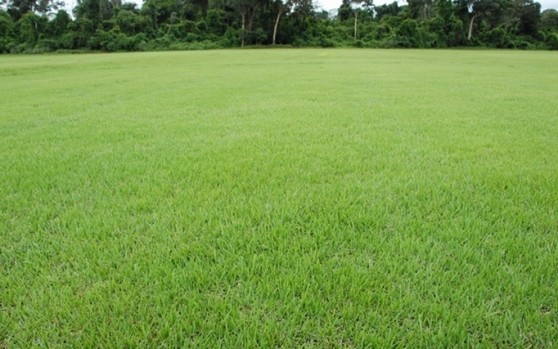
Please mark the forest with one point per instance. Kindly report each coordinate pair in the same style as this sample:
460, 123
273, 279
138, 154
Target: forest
35, 26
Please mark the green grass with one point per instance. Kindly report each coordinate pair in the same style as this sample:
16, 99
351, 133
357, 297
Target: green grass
292, 198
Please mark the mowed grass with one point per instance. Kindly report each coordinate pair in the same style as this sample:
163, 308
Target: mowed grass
279, 198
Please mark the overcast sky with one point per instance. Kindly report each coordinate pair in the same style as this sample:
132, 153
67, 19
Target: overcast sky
334, 4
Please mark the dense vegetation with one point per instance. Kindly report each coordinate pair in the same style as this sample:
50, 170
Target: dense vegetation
384, 198
109, 25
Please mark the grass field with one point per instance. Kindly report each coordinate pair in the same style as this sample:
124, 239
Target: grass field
279, 198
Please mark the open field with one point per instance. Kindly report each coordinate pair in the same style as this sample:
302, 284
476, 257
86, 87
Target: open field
263, 198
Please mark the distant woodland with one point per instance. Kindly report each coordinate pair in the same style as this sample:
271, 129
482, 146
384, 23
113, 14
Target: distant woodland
34, 26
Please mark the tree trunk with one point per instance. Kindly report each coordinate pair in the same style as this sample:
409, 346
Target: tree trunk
356, 19
276, 26
250, 19
470, 34
242, 32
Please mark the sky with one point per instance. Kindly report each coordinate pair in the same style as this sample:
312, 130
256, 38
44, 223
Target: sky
334, 4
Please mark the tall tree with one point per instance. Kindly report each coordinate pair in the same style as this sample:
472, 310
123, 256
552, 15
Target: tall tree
472, 10
420, 9
281, 8
161, 11
97, 10
6, 31
529, 17
549, 20
345, 11
284, 7
392, 9
59, 24
17, 8
247, 9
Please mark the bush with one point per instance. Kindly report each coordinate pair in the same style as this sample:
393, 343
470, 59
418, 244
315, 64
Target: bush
499, 38
326, 42
114, 40
551, 41
67, 41
193, 37
47, 45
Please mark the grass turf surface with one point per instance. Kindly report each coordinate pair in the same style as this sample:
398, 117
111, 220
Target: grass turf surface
317, 198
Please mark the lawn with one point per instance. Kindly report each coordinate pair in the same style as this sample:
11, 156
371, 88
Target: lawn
279, 198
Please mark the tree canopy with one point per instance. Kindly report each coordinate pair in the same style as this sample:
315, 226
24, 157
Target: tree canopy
110, 25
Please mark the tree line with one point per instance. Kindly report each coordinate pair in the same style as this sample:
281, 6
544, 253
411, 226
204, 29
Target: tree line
110, 25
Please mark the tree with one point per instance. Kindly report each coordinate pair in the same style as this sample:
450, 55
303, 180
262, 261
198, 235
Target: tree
130, 22
529, 17
549, 20
18, 8
82, 29
420, 9
160, 11
474, 9
184, 24
474, 13
248, 10
345, 11
245, 8
280, 8
392, 9
97, 10
6, 31
29, 28
59, 24
283, 8
445, 25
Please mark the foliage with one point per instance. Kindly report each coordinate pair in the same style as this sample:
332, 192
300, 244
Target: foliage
18, 8
7, 27
110, 25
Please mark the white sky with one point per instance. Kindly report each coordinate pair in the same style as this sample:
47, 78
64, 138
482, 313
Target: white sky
334, 4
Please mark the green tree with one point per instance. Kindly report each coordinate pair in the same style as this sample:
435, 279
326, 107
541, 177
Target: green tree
7, 26
130, 22
81, 31
96, 10
529, 17
246, 10
549, 20
345, 11
281, 8
59, 24
29, 28
420, 9
472, 10
284, 7
446, 26
18, 8
392, 9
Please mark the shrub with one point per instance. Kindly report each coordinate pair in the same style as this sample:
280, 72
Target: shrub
551, 41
